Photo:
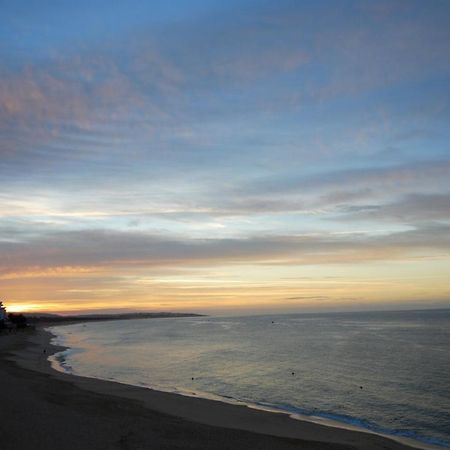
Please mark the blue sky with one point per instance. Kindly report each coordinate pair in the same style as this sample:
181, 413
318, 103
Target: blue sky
186, 144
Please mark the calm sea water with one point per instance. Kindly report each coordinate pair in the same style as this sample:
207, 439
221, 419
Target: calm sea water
385, 371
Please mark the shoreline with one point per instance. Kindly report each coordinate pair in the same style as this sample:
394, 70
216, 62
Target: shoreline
58, 365
220, 417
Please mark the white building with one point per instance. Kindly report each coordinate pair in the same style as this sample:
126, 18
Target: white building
3, 315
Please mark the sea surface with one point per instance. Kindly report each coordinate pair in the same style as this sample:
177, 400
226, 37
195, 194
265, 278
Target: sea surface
388, 372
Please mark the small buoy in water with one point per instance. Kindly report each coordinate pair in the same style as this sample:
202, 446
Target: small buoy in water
360, 387
192, 378
293, 373
273, 321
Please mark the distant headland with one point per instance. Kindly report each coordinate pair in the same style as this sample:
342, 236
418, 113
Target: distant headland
56, 318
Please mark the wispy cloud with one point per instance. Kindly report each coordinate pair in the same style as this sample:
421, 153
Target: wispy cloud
410, 209
103, 249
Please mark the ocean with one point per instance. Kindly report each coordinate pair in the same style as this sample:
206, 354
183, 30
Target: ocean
387, 372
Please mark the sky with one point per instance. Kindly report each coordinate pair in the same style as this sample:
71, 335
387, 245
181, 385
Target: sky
224, 157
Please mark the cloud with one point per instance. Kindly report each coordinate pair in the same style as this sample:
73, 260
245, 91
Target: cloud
75, 99
111, 249
146, 82
344, 191
406, 193
395, 177
179, 90
410, 209
405, 45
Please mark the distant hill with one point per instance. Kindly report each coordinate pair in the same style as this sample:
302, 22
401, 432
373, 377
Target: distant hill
40, 315
56, 318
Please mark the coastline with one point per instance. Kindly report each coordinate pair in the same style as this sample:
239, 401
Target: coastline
209, 423
58, 362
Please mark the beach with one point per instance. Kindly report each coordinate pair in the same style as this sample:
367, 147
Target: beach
45, 409
225, 224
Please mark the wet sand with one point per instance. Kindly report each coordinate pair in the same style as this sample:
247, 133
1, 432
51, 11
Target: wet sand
45, 409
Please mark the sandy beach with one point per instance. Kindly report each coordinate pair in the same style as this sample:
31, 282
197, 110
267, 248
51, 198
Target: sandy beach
42, 408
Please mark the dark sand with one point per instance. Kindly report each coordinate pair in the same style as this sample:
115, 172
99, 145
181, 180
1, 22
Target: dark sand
41, 408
